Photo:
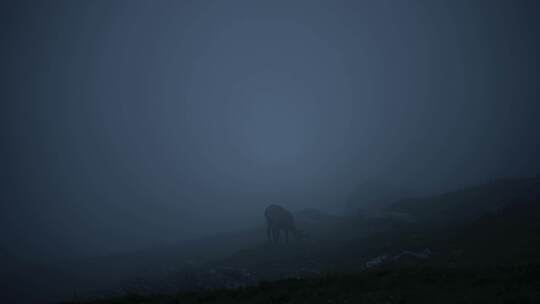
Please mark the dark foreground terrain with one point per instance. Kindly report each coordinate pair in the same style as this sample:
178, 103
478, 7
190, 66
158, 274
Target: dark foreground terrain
517, 284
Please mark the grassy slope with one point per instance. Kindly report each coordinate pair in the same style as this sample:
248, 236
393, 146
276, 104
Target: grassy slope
406, 285
473, 256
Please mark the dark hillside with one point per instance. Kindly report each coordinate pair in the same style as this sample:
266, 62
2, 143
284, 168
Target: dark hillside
471, 202
439, 241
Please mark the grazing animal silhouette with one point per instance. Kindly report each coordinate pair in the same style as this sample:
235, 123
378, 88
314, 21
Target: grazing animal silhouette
277, 219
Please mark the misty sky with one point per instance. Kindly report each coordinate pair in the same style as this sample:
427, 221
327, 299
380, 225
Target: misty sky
129, 123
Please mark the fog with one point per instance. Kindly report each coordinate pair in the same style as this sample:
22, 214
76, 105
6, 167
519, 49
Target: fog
127, 124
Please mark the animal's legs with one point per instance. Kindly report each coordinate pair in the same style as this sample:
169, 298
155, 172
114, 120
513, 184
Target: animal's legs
269, 232
276, 235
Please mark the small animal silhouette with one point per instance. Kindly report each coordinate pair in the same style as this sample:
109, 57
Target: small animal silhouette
277, 219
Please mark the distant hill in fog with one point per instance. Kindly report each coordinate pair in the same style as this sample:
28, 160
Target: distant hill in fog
472, 201
373, 196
